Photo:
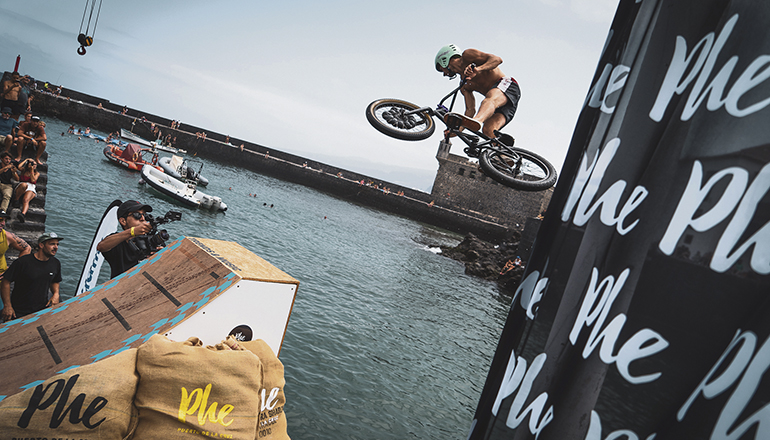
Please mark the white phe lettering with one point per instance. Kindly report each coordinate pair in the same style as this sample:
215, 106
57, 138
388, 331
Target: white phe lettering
748, 366
271, 401
595, 431
518, 377
531, 290
593, 312
586, 185
709, 49
617, 79
738, 193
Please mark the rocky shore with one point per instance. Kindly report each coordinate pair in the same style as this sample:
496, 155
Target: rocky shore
493, 262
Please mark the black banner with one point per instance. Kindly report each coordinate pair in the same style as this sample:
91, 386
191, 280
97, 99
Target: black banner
644, 312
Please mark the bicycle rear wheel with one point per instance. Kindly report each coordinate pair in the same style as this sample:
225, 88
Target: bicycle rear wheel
389, 117
519, 169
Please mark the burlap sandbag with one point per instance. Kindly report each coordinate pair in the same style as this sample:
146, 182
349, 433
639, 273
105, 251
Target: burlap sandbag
272, 420
187, 390
91, 402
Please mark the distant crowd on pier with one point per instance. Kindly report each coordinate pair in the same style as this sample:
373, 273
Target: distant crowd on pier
33, 274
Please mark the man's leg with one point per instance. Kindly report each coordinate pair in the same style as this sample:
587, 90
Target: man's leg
7, 192
8, 142
20, 142
494, 99
495, 122
40, 150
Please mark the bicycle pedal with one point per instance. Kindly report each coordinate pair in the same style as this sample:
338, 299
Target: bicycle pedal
505, 139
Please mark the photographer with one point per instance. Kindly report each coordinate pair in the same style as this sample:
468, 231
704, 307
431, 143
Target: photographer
118, 248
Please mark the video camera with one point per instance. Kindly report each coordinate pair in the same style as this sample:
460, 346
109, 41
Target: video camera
147, 244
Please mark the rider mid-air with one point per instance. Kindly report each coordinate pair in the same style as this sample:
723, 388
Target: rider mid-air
482, 74
512, 166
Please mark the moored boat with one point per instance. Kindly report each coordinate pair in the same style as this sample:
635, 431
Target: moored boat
183, 192
179, 168
131, 137
132, 156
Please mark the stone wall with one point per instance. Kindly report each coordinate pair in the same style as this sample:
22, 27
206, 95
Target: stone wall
85, 110
460, 183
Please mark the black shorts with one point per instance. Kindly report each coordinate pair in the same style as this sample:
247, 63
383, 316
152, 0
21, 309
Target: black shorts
510, 88
17, 108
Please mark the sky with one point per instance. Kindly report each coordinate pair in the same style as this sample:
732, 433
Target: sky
296, 76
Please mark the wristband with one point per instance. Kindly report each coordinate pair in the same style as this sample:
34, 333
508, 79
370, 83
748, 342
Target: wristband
132, 231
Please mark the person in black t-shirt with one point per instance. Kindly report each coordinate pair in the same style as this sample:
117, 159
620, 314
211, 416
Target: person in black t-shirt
33, 275
117, 248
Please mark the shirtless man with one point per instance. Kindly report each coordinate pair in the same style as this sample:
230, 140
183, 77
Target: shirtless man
31, 132
483, 75
11, 94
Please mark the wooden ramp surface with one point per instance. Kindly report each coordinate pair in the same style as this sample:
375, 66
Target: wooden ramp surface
124, 312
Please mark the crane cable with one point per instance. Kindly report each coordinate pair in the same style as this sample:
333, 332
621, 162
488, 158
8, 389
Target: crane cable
83, 38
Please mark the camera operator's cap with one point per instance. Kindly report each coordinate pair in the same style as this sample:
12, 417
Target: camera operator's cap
4, 214
130, 206
48, 236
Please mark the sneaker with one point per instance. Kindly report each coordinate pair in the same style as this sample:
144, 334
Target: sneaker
20, 218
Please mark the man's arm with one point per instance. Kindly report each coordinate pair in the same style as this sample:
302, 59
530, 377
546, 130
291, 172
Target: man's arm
17, 243
483, 61
5, 293
54, 295
20, 130
113, 240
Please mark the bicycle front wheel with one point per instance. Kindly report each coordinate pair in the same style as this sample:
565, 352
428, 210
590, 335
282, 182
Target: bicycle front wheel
389, 117
518, 169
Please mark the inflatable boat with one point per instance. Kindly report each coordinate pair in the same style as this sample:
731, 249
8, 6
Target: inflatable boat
179, 168
132, 156
183, 192
131, 137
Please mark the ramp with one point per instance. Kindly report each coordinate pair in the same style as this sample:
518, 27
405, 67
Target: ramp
193, 287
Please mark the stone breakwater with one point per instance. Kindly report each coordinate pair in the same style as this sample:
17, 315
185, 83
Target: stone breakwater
72, 106
490, 262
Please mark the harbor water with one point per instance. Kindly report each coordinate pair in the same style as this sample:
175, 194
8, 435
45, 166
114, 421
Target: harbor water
387, 339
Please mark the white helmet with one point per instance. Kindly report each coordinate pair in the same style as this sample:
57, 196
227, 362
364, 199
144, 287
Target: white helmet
445, 54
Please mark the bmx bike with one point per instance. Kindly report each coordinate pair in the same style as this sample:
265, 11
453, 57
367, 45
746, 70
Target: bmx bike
498, 158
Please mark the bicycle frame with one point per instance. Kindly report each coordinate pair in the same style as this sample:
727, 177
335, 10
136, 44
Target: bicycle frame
501, 143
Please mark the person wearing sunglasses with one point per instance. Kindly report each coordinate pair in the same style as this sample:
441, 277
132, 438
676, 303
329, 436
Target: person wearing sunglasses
116, 247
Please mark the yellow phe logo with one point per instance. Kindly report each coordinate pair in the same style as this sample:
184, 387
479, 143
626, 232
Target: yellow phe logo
200, 404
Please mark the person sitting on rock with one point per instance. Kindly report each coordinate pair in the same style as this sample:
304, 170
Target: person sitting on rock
31, 132
26, 190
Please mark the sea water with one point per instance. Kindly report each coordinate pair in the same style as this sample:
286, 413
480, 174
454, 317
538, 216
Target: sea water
387, 339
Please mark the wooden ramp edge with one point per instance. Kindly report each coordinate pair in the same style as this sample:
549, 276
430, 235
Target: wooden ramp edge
153, 297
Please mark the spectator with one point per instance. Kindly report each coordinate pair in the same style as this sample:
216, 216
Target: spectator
26, 190
8, 127
119, 248
34, 275
8, 173
31, 132
13, 97
9, 239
